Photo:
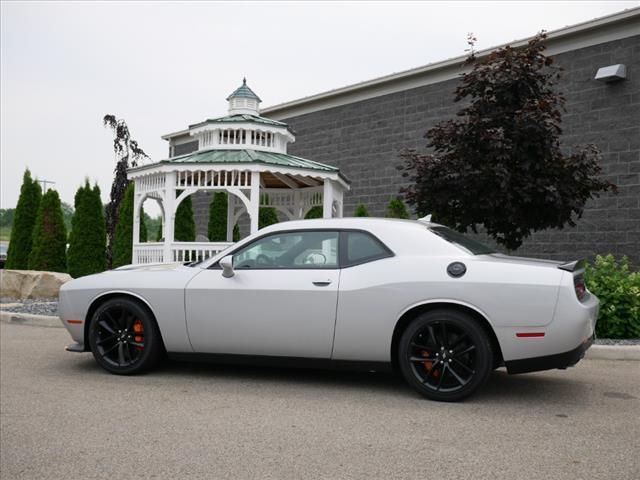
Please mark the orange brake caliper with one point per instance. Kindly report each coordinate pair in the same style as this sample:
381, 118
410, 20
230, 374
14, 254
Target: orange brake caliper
138, 329
429, 364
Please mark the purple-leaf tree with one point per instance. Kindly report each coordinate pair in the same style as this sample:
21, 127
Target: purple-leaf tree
499, 163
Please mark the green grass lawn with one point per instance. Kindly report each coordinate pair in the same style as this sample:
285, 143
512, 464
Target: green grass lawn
5, 233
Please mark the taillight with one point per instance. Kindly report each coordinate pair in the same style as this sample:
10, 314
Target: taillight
581, 288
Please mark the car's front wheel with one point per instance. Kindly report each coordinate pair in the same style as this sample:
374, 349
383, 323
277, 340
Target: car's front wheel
124, 338
445, 355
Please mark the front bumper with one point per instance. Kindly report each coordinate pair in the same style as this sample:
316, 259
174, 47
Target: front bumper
548, 362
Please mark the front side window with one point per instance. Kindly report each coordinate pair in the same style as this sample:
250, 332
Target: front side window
312, 249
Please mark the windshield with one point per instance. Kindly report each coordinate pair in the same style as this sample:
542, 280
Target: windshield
460, 240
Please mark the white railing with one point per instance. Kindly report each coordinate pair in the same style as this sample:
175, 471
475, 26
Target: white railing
196, 251
153, 252
148, 252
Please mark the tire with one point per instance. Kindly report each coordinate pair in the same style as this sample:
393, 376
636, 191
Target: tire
457, 355
124, 337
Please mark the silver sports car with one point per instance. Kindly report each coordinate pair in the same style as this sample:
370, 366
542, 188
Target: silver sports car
438, 307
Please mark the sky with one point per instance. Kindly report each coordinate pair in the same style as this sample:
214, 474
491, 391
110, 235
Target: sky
164, 65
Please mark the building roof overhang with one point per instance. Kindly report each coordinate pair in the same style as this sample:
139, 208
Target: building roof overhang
611, 27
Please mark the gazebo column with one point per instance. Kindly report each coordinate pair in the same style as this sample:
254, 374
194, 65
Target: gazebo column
254, 205
170, 215
136, 224
231, 204
327, 199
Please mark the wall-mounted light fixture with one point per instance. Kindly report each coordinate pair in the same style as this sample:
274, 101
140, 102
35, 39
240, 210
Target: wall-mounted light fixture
612, 73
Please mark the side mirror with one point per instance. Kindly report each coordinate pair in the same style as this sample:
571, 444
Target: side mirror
227, 266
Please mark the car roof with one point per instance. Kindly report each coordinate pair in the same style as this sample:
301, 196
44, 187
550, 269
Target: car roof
364, 223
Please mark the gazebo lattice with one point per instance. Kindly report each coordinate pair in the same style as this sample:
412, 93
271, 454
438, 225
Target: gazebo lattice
244, 155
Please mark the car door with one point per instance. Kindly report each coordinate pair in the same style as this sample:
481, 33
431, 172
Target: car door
281, 300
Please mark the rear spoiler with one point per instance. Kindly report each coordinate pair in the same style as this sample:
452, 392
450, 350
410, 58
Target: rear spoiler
573, 266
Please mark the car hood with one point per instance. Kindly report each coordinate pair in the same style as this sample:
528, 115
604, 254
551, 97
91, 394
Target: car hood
152, 267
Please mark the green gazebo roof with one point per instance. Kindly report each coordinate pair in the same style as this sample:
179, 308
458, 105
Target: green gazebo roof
251, 156
243, 118
244, 91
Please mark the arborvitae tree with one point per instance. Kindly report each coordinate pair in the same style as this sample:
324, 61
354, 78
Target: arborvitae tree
185, 227
24, 220
49, 249
361, 211
125, 148
123, 243
267, 216
159, 235
88, 237
397, 209
217, 228
315, 212
498, 162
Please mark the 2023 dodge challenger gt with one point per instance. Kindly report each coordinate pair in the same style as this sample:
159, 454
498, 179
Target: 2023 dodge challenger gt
441, 308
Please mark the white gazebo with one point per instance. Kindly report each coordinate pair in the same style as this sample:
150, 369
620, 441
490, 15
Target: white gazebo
244, 155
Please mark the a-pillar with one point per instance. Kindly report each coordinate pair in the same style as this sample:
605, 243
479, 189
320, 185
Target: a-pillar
169, 201
137, 197
254, 201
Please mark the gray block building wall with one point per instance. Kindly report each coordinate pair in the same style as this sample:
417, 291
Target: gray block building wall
364, 140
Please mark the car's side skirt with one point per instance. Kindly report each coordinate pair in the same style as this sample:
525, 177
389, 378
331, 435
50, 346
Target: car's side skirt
548, 362
285, 362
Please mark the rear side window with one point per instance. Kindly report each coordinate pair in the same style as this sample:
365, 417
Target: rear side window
362, 247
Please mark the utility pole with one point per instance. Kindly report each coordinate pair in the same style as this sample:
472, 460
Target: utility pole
45, 183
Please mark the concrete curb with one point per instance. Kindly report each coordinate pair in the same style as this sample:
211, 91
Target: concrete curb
30, 319
613, 352
596, 352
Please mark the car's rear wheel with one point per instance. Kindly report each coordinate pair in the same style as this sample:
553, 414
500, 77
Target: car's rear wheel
445, 355
124, 338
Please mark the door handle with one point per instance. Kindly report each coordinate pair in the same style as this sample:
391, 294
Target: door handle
322, 283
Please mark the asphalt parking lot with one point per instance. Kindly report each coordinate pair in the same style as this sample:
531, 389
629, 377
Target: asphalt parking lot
63, 417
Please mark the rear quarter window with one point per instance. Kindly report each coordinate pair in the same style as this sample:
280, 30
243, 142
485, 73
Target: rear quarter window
362, 247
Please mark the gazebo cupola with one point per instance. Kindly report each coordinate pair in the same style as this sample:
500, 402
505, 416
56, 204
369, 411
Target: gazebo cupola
243, 101
244, 155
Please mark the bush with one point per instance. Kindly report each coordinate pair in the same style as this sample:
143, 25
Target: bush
24, 220
397, 209
49, 248
88, 237
314, 212
361, 211
619, 292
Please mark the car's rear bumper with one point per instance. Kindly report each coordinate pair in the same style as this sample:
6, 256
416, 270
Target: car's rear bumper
548, 362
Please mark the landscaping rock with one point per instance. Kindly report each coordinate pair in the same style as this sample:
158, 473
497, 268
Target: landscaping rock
24, 284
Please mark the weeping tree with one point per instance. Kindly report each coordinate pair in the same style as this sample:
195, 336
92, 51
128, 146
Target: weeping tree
88, 238
49, 248
26, 212
128, 154
499, 163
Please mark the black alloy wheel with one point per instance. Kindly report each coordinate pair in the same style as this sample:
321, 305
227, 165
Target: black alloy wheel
445, 355
124, 338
